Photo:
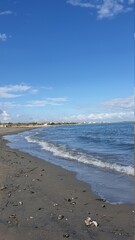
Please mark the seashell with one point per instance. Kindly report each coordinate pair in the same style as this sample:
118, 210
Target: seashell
94, 223
89, 222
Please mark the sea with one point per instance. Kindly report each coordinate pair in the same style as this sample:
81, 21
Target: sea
102, 155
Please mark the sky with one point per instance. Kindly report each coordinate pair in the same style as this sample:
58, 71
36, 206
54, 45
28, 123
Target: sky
66, 60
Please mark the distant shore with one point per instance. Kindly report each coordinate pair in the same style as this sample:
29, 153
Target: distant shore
41, 201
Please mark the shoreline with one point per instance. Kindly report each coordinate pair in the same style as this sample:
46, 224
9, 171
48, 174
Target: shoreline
40, 200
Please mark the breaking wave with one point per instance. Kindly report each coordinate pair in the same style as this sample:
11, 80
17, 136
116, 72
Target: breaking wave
62, 151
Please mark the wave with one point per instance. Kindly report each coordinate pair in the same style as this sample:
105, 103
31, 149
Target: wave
62, 151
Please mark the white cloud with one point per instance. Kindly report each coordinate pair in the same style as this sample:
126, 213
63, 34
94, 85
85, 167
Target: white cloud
111, 116
80, 3
102, 117
4, 116
47, 102
57, 99
10, 104
104, 8
131, 1
113, 110
12, 91
3, 37
121, 103
6, 13
110, 8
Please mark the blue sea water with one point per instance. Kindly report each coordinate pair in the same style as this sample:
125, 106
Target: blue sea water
100, 154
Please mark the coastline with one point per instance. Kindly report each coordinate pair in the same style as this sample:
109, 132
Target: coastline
39, 201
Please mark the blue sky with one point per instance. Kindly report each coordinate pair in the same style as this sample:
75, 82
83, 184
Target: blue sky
66, 60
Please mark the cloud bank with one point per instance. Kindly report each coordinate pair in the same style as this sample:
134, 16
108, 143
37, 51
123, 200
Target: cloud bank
113, 110
104, 8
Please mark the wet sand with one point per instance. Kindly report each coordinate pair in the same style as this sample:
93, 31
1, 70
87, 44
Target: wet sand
41, 201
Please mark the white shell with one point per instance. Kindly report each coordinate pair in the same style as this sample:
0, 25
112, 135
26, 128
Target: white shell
89, 222
95, 223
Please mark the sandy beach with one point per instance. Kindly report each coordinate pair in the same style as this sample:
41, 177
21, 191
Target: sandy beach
41, 201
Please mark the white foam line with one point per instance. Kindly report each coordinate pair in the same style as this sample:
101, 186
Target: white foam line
61, 151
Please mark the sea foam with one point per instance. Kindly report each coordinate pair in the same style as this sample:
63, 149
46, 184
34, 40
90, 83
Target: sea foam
62, 151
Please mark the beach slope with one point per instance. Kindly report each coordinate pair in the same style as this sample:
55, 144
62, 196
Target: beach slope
41, 201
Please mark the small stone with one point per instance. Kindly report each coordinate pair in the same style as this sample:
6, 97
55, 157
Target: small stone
3, 188
103, 206
73, 203
40, 208
32, 192
55, 204
38, 180
13, 215
66, 235
21, 203
60, 217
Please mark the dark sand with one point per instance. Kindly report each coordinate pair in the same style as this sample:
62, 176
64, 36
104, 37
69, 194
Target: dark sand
40, 201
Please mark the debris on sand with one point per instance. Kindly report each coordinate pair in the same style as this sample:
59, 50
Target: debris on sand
89, 222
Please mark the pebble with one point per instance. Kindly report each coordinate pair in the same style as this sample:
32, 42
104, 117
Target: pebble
55, 204
3, 188
60, 217
73, 203
40, 208
32, 192
66, 235
12, 215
